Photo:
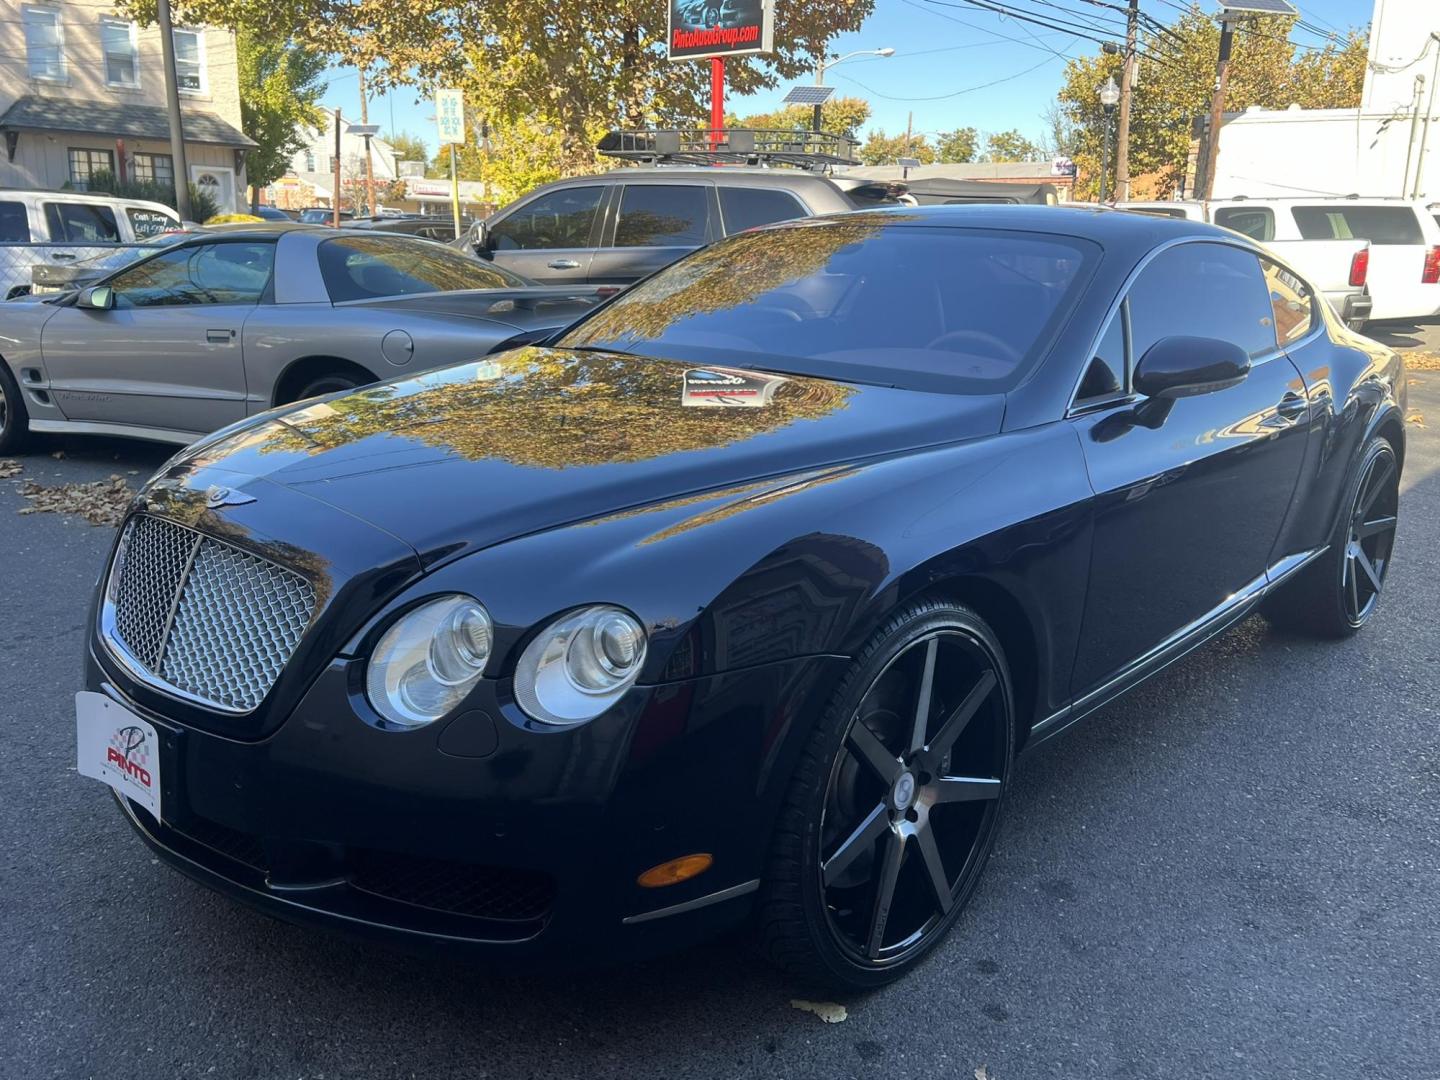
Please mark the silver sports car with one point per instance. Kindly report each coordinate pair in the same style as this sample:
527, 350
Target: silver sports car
229, 322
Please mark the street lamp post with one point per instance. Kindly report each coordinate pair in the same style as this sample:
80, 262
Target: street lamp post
821, 65
1109, 98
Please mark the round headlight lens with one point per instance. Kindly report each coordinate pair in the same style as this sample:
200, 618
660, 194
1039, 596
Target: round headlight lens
428, 661
580, 665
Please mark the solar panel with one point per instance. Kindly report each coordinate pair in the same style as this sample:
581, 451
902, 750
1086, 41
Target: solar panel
809, 95
1257, 7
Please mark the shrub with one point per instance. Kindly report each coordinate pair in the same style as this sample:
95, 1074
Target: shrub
202, 203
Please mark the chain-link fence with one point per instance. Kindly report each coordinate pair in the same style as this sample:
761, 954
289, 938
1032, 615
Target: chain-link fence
42, 268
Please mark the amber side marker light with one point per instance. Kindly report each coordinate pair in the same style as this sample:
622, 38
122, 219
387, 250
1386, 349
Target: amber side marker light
675, 871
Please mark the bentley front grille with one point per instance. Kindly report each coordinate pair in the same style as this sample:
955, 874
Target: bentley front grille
200, 616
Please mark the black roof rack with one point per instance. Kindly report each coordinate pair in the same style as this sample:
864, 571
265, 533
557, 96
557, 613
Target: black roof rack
730, 146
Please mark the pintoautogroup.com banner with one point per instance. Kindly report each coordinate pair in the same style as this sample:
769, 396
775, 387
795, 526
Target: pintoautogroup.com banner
700, 28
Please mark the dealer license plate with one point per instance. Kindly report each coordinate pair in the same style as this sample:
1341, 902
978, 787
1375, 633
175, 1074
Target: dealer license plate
118, 748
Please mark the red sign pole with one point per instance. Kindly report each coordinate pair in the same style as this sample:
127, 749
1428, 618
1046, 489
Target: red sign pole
717, 99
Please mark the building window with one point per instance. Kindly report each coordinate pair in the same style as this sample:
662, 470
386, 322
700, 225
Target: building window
85, 164
117, 43
309, 161
44, 43
190, 61
331, 166
154, 168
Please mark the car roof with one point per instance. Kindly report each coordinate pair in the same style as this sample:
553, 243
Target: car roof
1098, 223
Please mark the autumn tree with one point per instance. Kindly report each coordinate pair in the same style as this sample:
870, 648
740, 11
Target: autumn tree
839, 116
958, 146
1176, 83
407, 146
280, 88
882, 149
1010, 146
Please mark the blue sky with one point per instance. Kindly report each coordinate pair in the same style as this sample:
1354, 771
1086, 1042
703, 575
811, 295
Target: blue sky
946, 52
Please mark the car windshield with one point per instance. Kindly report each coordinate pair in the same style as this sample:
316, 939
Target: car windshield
369, 267
957, 309
116, 260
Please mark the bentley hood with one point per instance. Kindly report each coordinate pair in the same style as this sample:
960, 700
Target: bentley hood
465, 457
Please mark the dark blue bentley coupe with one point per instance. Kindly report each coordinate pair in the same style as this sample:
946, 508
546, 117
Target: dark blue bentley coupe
736, 601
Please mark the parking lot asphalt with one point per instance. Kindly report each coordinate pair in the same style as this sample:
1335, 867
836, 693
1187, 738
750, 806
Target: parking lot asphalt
1232, 872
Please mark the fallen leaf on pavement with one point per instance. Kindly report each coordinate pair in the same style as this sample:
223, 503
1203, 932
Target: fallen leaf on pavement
982, 1072
58, 455
1418, 360
1418, 419
828, 1011
102, 502
9, 467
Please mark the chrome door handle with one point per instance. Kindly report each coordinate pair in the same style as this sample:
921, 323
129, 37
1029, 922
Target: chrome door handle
61, 256
219, 337
1292, 406
563, 264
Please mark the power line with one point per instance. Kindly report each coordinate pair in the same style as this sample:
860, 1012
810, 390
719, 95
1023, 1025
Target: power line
1013, 13
956, 93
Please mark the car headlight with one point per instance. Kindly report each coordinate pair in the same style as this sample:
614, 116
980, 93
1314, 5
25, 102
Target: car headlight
428, 661
580, 665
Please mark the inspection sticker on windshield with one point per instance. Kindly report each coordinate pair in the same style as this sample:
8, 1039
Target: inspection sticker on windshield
116, 747
726, 387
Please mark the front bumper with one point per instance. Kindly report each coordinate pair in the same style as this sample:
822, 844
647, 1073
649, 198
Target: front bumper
486, 833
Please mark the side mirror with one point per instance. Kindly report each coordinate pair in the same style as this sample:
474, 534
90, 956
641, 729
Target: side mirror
96, 298
1177, 367
480, 237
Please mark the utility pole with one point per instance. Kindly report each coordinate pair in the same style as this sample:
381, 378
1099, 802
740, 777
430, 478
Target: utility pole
1127, 83
335, 195
819, 120
909, 130
1210, 151
369, 164
172, 106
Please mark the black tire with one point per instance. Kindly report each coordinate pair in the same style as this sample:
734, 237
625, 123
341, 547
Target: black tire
14, 420
1337, 594
327, 384
932, 836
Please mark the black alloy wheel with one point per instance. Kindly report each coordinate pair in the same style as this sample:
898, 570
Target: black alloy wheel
327, 384
1337, 594
1371, 536
896, 804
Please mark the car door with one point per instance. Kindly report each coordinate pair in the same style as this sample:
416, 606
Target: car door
1187, 511
1403, 283
168, 354
552, 237
652, 226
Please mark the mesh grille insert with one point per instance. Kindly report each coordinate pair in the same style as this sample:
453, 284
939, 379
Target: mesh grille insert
203, 617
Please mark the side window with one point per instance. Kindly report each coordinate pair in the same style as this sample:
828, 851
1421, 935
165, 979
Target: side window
745, 208
14, 225
1291, 301
661, 215
213, 274
1256, 222
81, 223
1378, 224
1202, 290
561, 219
1105, 375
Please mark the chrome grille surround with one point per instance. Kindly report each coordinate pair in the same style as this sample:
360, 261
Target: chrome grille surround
199, 618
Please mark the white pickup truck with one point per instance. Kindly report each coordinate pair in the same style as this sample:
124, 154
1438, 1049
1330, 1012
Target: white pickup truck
1338, 268
1403, 272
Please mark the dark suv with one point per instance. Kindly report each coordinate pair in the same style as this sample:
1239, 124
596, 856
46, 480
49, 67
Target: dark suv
618, 227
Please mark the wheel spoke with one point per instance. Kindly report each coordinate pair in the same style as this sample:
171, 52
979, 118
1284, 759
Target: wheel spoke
1365, 564
885, 892
934, 866
923, 699
1377, 483
1352, 586
1374, 528
950, 789
857, 843
867, 746
955, 725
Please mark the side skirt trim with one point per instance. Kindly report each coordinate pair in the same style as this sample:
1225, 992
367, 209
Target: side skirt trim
1183, 641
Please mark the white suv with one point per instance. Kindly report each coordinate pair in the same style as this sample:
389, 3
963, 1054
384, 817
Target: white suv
57, 227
